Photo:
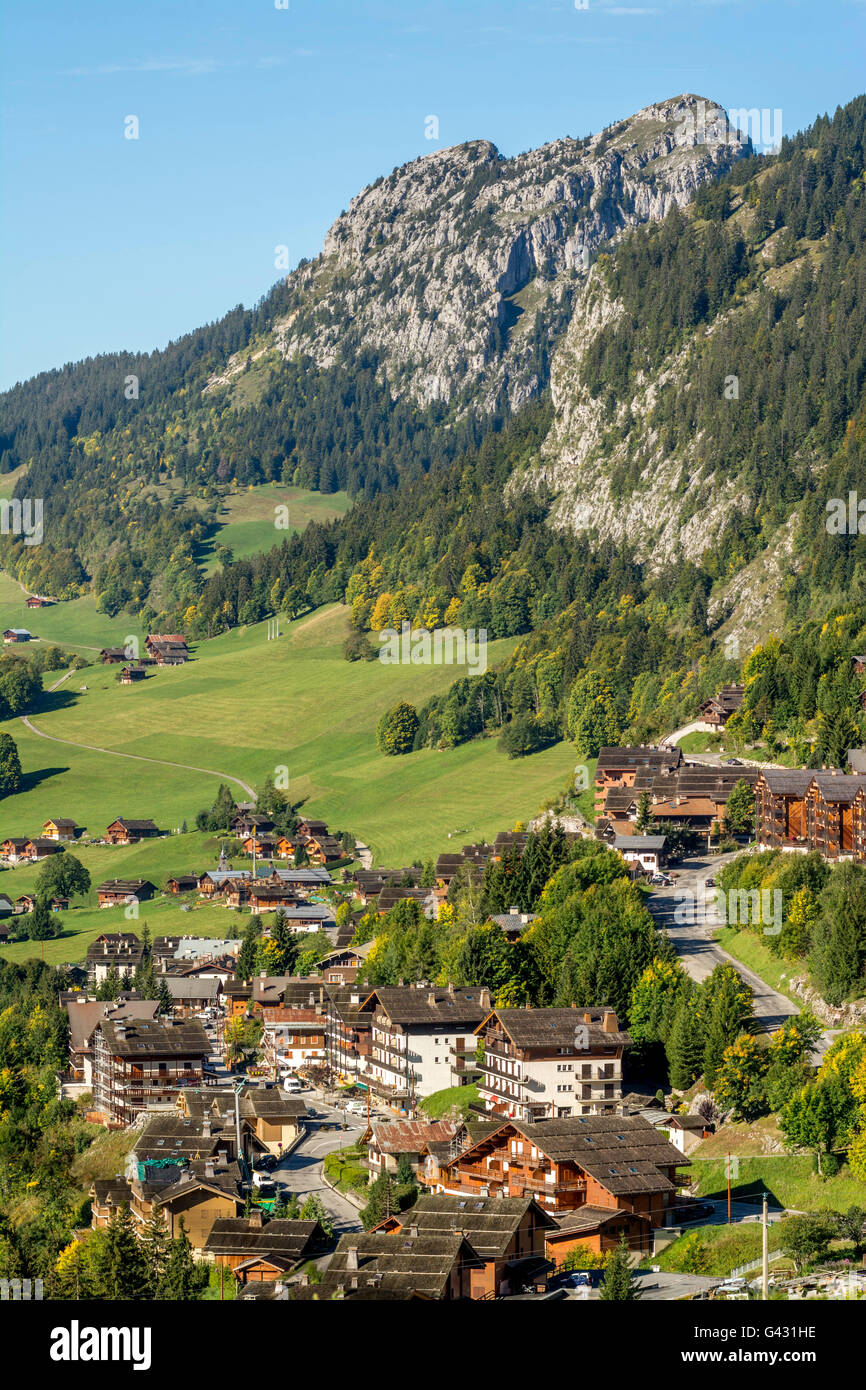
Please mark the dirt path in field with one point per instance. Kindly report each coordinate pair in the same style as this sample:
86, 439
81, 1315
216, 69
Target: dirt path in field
136, 757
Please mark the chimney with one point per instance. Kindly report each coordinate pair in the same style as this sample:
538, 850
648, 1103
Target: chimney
255, 1218
431, 999
484, 998
587, 1016
205, 1127
609, 1022
451, 988
412, 1231
352, 1257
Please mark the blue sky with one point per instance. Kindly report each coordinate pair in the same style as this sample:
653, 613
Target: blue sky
257, 124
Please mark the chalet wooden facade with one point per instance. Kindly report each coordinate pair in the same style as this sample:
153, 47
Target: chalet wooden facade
257, 1251
116, 891
803, 810
59, 829
138, 1064
618, 767
128, 832
612, 1162
718, 709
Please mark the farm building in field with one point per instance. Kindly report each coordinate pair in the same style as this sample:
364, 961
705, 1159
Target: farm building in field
124, 890
15, 849
42, 847
127, 832
59, 829
37, 601
182, 883
111, 655
130, 675
16, 634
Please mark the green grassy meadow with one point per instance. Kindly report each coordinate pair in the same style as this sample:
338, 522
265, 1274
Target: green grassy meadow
247, 519
75, 624
246, 707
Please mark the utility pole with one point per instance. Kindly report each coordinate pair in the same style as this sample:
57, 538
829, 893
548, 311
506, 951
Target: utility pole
765, 1250
728, 1170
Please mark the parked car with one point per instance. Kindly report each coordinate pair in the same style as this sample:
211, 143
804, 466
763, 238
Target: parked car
709, 883
266, 1163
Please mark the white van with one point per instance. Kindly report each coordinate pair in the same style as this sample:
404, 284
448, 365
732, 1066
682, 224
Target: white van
291, 1085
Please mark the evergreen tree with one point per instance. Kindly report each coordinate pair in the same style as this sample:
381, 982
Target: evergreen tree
685, 1047
122, 1268
617, 1284
313, 1210
183, 1279
154, 1243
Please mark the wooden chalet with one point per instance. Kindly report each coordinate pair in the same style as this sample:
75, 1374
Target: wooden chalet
16, 634
613, 1162
43, 846
804, 810
549, 1063
401, 1264
508, 1234
59, 829
37, 601
113, 655
323, 849
128, 832
308, 827
138, 1064
182, 883
718, 709
257, 1251
248, 823
130, 675
115, 891
261, 846
618, 767
201, 1192
121, 951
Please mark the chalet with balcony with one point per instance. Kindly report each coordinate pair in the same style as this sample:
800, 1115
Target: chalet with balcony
551, 1063
85, 1013
422, 1038
618, 767
388, 1141
348, 1041
114, 892
614, 1162
139, 1063
780, 808
718, 709
59, 829
128, 832
293, 1036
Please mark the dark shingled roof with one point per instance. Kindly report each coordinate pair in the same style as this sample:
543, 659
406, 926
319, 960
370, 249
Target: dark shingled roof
399, 1263
281, 1242
406, 1005
556, 1027
138, 1038
611, 759
587, 1218
488, 1223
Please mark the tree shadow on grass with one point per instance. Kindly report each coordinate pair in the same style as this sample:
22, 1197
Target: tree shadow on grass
31, 780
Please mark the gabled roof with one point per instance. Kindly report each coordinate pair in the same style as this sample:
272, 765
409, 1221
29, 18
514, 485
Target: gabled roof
172, 1038
488, 1223
399, 1263
411, 1136
427, 1006
546, 1028
281, 1241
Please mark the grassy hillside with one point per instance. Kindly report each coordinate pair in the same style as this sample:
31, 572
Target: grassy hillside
75, 624
247, 707
247, 519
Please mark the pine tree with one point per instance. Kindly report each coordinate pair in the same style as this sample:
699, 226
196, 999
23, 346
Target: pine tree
313, 1210
122, 1269
685, 1046
154, 1244
617, 1283
183, 1279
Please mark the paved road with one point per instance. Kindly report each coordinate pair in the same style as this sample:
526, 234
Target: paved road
693, 937
667, 1287
301, 1171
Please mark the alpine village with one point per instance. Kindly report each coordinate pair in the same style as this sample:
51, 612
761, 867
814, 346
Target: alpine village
330, 973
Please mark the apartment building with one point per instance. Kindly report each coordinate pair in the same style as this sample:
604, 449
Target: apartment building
141, 1063
552, 1063
423, 1038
